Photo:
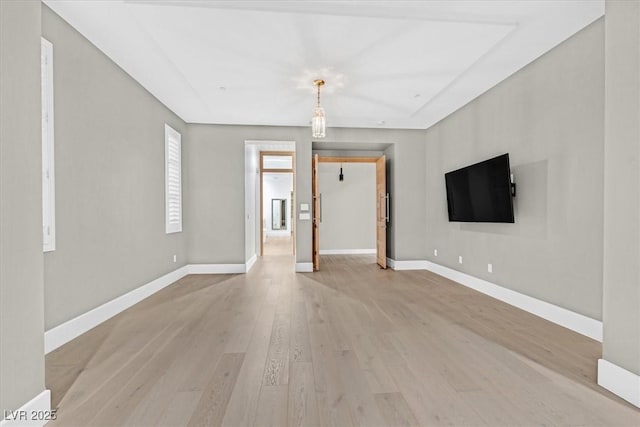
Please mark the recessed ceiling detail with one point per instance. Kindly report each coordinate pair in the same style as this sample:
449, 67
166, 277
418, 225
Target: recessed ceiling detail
387, 64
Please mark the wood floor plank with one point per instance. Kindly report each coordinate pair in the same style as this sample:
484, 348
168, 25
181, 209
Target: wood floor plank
357, 391
215, 397
303, 407
83, 405
395, 410
349, 345
272, 407
331, 396
432, 400
299, 348
176, 413
242, 407
375, 370
276, 371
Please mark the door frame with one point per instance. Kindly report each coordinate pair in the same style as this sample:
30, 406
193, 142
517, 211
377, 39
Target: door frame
346, 159
292, 171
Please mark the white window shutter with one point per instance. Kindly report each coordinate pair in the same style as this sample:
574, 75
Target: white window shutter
48, 170
173, 179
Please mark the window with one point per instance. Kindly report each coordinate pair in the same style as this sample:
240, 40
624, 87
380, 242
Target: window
48, 176
173, 179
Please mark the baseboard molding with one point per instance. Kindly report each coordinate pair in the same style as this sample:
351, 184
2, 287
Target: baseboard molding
250, 262
38, 407
304, 267
62, 334
217, 268
348, 251
619, 381
405, 265
561, 316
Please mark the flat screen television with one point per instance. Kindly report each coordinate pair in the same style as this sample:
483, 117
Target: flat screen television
481, 192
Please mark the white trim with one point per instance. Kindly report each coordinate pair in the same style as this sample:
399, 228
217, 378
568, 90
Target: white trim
561, 316
172, 139
304, 267
405, 265
619, 381
348, 251
576, 322
217, 268
48, 144
22, 417
250, 262
62, 334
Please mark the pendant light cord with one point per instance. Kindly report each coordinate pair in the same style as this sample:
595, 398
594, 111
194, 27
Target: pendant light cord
318, 83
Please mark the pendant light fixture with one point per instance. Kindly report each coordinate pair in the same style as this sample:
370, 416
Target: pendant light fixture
318, 123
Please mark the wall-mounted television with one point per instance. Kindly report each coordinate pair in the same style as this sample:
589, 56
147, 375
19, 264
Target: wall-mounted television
481, 192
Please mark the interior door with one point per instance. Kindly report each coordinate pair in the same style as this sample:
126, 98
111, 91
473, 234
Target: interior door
316, 213
382, 217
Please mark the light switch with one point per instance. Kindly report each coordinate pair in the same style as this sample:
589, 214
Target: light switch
304, 207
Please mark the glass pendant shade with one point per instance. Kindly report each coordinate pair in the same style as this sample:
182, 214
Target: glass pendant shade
318, 123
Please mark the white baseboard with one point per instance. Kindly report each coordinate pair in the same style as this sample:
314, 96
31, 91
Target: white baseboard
576, 322
619, 381
348, 251
304, 267
61, 334
28, 414
406, 265
217, 268
250, 263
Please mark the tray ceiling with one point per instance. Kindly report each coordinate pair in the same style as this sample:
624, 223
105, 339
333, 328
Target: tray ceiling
389, 64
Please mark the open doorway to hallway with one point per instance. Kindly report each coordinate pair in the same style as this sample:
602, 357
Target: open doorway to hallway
271, 217
277, 213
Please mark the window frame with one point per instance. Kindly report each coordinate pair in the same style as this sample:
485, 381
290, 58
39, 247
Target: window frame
172, 136
48, 159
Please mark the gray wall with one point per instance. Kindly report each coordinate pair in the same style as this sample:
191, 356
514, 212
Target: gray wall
621, 310
21, 288
405, 183
550, 118
110, 200
216, 175
215, 182
348, 207
406, 186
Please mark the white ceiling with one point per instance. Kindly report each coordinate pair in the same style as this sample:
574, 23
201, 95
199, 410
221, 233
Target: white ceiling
389, 64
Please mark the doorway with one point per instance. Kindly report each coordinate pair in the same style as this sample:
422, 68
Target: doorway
379, 208
277, 204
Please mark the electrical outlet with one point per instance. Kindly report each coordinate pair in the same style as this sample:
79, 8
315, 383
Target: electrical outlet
175, 258
435, 252
490, 268
460, 259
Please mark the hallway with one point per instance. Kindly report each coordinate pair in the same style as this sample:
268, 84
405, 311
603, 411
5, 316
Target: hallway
278, 245
349, 345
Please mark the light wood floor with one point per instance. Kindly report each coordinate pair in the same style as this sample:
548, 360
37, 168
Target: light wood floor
277, 245
349, 345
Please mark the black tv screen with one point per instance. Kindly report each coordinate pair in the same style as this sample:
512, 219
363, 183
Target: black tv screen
481, 192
